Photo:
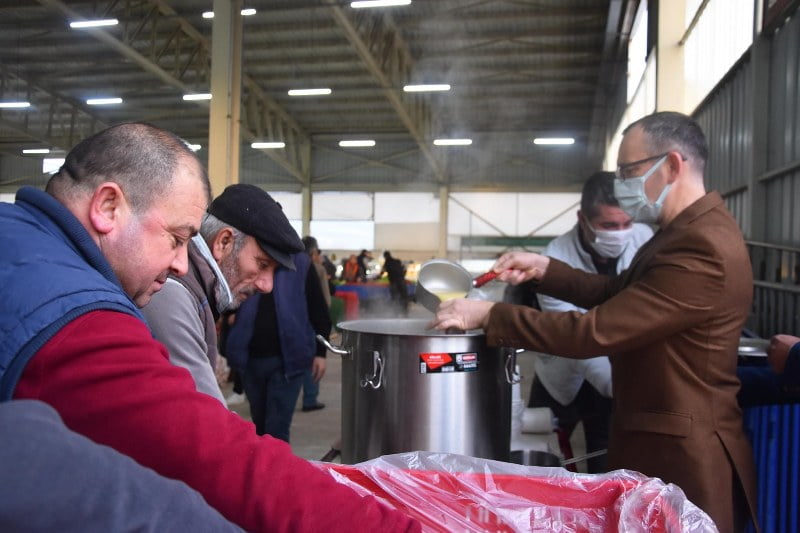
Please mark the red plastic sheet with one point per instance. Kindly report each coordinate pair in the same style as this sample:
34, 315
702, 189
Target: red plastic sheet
448, 492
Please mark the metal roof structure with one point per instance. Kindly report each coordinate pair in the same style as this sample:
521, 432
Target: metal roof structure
518, 69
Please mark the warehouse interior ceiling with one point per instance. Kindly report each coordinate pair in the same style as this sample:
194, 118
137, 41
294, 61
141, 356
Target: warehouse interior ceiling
518, 69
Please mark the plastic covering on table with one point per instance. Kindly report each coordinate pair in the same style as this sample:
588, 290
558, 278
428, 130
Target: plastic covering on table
449, 492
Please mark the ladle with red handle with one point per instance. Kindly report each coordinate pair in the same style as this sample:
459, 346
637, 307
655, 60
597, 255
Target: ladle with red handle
483, 279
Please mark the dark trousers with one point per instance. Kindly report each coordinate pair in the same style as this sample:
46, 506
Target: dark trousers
310, 389
589, 407
399, 296
271, 395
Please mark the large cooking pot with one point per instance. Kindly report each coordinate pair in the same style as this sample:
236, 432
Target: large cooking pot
405, 388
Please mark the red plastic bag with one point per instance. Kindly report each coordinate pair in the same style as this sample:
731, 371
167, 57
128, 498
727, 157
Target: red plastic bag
449, 492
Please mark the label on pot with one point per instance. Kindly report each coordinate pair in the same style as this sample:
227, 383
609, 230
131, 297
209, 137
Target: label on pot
442, 363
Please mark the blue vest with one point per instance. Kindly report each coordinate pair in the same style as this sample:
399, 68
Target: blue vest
51, 272
297, 337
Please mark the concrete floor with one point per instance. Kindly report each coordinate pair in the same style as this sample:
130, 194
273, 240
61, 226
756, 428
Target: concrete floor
313, 433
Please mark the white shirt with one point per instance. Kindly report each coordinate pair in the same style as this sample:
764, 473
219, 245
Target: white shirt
560, 376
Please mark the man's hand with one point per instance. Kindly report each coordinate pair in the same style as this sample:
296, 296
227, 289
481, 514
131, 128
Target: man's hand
462, 314
222, 371
518, 267
778, 351
318, 368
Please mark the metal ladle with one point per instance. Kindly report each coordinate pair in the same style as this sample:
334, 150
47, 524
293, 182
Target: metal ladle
440, 279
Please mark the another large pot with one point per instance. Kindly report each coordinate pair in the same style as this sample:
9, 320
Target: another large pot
405, 388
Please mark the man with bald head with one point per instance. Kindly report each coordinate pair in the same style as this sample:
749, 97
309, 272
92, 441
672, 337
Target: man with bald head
77, 261
670, 323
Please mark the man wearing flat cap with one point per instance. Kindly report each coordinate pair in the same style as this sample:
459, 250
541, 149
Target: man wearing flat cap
244, 237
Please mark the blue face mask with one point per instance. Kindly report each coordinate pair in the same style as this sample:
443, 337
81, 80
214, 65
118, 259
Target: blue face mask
633, 200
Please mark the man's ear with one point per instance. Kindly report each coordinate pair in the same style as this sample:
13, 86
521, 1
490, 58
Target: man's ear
675, 162
222, 244
106, 207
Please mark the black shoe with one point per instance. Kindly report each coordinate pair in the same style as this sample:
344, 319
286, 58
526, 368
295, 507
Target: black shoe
316, 407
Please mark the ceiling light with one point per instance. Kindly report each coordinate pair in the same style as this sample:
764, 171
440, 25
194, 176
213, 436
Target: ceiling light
425, 88
268, 145
379, 3
197, 96
356, 143
103, 101
452, 142
309, 92
193, 147
245, 13
36, 151
14, 105
82, 24
554, 140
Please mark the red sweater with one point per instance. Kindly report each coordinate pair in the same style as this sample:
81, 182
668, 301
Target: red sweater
110, 381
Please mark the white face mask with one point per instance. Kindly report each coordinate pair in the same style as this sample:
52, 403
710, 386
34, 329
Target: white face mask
611, 244
633, 200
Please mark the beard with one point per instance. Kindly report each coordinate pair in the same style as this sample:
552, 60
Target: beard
230, 271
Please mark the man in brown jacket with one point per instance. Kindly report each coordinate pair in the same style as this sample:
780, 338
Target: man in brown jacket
671, 321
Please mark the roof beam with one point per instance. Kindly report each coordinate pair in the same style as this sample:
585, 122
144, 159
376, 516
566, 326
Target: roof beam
183, 60
611, 73
51, 119
381, 48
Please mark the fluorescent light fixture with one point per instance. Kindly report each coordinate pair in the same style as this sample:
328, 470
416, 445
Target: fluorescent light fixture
357, 143
36, 151
379, 3
197, 96
426, 88
103, 101
193, 147
268, 145
14, 105
452, 142
554, 140
309, 92
245, 13
82, 24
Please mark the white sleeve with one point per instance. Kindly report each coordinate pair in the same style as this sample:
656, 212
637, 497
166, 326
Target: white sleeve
172, 315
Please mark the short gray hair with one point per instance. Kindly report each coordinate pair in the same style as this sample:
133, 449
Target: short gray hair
211, 226
668, 130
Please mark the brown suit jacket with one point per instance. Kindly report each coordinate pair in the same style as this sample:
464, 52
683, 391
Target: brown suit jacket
672, 323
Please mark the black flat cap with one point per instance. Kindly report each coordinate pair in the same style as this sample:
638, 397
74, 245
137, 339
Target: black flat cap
253, 211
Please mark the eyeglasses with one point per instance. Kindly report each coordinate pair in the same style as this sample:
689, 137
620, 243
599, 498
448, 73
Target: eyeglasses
623, 170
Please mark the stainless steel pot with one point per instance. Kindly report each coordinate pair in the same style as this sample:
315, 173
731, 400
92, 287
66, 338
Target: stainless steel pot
405, 388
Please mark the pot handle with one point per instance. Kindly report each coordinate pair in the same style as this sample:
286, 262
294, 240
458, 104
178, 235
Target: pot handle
512, 377
344, 352
376, 378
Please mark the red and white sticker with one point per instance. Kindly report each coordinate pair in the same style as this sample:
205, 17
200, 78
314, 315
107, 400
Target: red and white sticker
443, 362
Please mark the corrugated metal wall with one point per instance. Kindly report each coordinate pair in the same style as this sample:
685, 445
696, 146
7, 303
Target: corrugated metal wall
726, 118
782, 181
752, 121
